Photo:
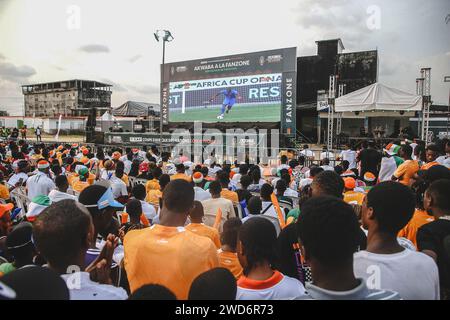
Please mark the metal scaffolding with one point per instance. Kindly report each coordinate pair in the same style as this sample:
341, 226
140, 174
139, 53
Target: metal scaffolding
423, 88
330, 125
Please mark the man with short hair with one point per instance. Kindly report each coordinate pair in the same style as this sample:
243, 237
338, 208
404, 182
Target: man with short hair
408, 168
224, 180
168, 254
370, 159
198, 227
385, 264
431, 237
180, 173
62, 234
348, 155
60, 193
211, 206
431, 154
40, 183
323, 220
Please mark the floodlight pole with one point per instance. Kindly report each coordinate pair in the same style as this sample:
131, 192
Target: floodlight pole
162, 88
447, 79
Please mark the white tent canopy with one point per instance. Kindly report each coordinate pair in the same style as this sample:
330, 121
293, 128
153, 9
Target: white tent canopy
378, 97
107, 117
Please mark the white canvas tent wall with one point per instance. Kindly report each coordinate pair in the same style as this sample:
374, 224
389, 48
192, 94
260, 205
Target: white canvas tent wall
378, 97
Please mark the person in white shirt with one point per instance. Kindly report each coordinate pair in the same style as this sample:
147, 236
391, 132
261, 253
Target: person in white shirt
349, 155
140, 193
385, 264
20, 168
256, 254
200, 193
211, 206
284, 163
323, 220
127, 162
307, 153
388, 167
119, 188
255, 210
326, 154
40, 183
60, 193
326, 165
268, 208
445, 159
62, 234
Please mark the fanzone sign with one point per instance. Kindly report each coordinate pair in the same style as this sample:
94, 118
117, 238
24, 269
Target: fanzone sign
249, 88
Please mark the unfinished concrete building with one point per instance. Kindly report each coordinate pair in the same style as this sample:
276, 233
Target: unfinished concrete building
68, 98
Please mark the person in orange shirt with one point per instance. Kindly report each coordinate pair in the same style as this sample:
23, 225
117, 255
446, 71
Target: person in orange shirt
227, 253
224, 180
4, 191
154, 195
431, 154
81, 183
420, 218
198, 227
167, 254
351, 196
180, 173
408, 168
154, 183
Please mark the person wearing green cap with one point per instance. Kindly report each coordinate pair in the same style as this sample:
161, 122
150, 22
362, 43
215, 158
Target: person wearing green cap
81, 182
37, 205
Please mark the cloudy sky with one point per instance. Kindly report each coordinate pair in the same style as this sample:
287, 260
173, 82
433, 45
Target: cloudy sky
112, 41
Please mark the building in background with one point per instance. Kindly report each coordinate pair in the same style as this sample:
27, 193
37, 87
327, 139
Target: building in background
68, 98
355, 70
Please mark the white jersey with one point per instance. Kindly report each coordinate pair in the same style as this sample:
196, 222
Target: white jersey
412, 274
39, 184
277, 287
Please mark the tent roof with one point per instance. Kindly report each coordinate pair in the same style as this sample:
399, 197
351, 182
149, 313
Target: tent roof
378, 97
136, 109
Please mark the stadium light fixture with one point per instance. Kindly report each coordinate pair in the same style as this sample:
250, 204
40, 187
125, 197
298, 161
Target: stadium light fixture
165, 36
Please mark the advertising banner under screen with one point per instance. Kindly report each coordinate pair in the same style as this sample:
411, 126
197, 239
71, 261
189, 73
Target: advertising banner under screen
251, 88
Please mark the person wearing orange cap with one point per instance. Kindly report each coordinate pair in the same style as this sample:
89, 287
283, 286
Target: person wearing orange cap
370, 180
5, 219
200, 193
350, 195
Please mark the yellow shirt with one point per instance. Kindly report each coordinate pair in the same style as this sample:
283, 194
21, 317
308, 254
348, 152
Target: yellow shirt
4, 192
153, 197
230, 195
406, 171
152, 185
203, 230
230, 261
353, 196
169, 256
419, 218
79, 186
125, 179
180, 176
